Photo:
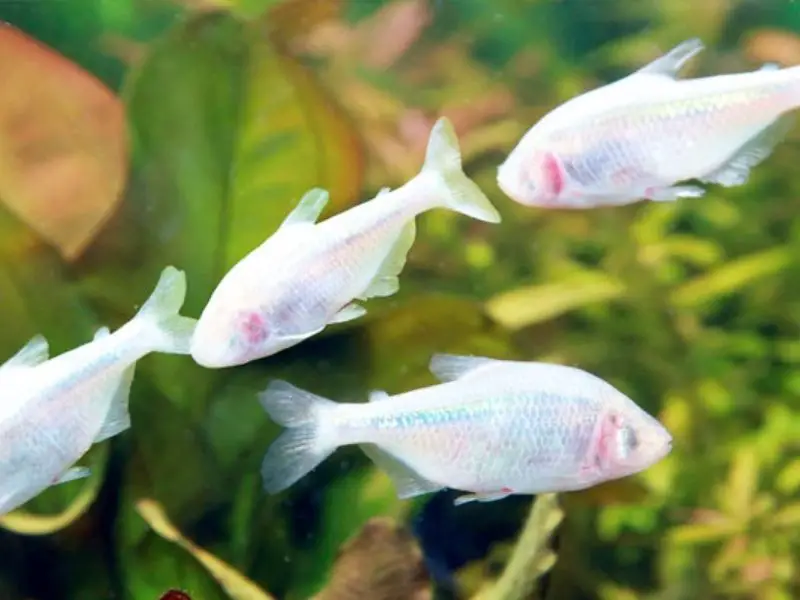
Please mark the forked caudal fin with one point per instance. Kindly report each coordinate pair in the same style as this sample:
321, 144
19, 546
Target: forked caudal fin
170, 332
460, 193
304, 444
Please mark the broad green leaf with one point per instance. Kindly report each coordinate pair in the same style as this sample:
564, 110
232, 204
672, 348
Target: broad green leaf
153, 564
171, 459
403, 339
27, 522
534, 304
230, 134
236, 585
731, 277
168, 464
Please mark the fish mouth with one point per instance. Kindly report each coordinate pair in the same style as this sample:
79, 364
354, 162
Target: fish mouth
504, 182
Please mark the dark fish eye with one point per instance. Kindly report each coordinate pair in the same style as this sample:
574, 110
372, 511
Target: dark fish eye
629, 439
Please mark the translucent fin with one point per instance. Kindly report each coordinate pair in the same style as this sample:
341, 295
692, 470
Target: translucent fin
449, 367
460, 193
300, 448
73, 474
378, 395
171, 333
671, 194
385, 282
33, 353
482, 497
118, 418
736, 170
406, 481
673, 61
309, 208
349, 313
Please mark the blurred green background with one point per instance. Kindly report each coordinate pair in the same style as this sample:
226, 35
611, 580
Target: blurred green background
140, 133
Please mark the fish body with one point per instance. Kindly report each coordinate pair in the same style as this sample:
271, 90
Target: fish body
639, 137
308, 275
492, 428
52, 411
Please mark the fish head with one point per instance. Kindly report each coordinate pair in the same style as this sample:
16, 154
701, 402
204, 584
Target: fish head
532, 175
228, 336
231, 334
630, 440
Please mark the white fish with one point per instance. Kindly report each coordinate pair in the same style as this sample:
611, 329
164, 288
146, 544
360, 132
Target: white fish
52, 411
308, 275
494, 428
639, 137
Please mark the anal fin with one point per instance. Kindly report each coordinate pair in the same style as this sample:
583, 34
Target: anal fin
407, 482
673, 193
385, 282
118, 418
736, 170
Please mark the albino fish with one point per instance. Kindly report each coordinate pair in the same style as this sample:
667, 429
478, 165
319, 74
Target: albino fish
493, 428
52, 411
640, 137
308, 275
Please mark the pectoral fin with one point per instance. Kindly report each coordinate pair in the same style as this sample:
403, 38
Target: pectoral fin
348, 313
72, 474
671, 194
481, 497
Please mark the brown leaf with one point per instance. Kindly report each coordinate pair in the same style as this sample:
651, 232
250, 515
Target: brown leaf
63, 144
382, 562
772, 45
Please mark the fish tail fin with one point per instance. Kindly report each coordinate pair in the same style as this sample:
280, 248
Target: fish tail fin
443, 161
307, 441
166, 330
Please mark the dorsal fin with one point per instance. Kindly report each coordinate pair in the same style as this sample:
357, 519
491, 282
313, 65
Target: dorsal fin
101, 333
449, 367
378, 395
309, 208
670, 64
35, 352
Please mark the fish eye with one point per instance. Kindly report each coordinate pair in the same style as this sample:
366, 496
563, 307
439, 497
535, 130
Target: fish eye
627, 441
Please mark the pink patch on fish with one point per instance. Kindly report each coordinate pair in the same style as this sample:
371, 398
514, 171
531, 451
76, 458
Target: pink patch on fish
254, 328
553, 174
602, 452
